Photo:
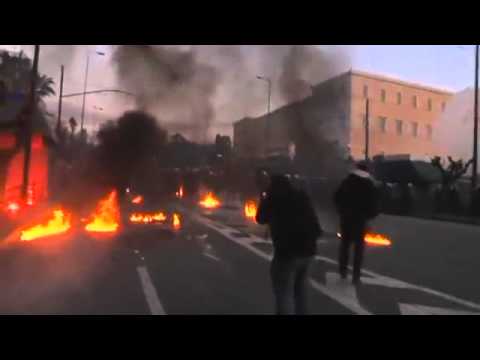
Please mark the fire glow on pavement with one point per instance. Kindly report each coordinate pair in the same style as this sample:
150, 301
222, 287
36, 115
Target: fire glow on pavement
106, 217
59, 223
250, 210
374, 239
142, 218
210, 201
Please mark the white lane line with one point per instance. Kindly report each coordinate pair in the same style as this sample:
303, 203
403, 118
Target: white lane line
403, 284
385, 279
211, 256
409, 309
332, 293
151, 296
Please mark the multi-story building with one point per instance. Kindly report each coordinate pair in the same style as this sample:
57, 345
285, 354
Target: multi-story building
402, 118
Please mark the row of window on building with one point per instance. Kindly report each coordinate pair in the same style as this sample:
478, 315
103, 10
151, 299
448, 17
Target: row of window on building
400, 127
399, 99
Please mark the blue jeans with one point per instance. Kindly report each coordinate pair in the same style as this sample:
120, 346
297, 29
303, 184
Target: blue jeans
289, 282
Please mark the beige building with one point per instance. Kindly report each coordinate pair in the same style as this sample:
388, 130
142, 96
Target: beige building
402, 118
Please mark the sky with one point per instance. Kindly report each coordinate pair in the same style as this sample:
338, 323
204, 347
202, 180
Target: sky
445, 66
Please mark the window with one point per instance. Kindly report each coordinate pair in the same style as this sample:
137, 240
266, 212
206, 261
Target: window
382, 124
383, 95
365, 91
399, 98
429, 132
443, 106
399, 125
415, 101
414, 129
430, 105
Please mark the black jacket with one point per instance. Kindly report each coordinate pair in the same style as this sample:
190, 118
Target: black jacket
357, 198
293, 223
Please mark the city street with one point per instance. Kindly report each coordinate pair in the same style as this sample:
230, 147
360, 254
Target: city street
218, 263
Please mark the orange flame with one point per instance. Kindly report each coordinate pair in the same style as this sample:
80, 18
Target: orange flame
250, 209
209, 201
58, 224
137, 199
179, 193
177, 223
374, 239
138, 218
377, 240
106, 217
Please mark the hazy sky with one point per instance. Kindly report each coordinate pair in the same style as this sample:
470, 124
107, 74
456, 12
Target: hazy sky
448, 66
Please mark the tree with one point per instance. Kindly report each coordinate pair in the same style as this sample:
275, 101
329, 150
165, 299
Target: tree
451, 173
447, 197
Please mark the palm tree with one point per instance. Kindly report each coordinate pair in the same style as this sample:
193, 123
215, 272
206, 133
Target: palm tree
45, 86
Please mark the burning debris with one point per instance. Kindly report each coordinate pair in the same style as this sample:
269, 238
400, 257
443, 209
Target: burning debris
177, 222
374, 239
179, 193
106, 217
137, 199
377, 240
210, 201
59, 223
250, 210
143, 218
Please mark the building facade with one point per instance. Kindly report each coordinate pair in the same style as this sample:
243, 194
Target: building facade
402, 118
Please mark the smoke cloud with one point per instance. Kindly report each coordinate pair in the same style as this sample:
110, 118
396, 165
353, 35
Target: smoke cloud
200, 90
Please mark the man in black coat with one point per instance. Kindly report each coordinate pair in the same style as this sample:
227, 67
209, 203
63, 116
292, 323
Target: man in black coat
357, 202
294, 229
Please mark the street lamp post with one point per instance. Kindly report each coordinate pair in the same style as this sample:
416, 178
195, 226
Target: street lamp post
475, 125
85, 88
267, 132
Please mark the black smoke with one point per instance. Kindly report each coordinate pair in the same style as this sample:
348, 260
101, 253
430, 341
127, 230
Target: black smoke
172, 83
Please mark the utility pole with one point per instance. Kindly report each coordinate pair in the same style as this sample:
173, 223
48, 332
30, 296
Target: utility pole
28, 121
267, 120
475, 125
367, 132
84, 94
59, 120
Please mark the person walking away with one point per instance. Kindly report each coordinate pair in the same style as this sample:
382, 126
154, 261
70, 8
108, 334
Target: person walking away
294, 228
357, 202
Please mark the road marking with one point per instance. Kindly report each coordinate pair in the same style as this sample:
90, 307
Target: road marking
343, 292
332, 293
388, 281
150, 293
379, 279
410, 309
211, 256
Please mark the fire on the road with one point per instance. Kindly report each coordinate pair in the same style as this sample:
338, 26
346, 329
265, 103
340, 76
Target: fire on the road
179, 193
177, 223
210, 201
374, 239
250, 210
141, 218
137, 199
59, 223
106, 217
377, 240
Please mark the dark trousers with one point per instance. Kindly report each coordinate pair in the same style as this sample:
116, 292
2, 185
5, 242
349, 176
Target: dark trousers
352, 234
289, 282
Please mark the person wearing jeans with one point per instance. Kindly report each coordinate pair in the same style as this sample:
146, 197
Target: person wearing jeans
294, 230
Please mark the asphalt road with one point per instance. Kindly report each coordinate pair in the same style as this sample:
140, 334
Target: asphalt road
218, 264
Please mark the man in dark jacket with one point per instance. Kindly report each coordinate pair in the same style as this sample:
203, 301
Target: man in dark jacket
356, 201
294, 229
